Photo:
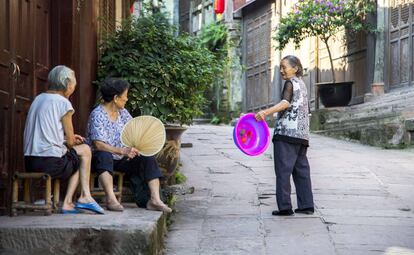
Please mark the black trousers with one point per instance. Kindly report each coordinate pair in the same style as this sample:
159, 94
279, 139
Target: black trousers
139, 170
144, 167
62, 168
290, 160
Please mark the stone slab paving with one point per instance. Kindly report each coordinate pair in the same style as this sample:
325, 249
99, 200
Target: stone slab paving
363, 196
134, 231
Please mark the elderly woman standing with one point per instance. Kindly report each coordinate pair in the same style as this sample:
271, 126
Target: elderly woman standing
50, 144
104, 131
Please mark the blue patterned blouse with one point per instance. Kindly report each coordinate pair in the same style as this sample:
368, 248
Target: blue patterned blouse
101, 128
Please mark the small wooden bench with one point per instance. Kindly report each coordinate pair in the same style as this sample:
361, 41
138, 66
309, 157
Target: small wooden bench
99, 192
48, 207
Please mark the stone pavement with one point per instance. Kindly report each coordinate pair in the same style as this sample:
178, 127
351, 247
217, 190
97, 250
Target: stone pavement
134, 231
363, 196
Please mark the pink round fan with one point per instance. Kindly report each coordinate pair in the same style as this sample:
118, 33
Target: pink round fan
252, 137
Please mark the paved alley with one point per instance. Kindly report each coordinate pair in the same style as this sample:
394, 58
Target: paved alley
363, 196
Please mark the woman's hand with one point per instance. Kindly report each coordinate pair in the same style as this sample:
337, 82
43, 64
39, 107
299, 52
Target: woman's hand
79, 139
130, 152
260, 115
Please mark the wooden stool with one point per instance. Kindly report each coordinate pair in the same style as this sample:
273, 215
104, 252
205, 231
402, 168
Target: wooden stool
99, 192
26, 204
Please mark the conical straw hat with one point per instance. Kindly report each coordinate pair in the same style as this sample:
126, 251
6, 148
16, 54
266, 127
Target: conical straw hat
145, 133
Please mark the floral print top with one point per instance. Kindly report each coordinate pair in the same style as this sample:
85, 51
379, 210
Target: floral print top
292, 124
102, 128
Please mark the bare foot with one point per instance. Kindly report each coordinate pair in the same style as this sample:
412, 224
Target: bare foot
85, 200
68, 206
158, 206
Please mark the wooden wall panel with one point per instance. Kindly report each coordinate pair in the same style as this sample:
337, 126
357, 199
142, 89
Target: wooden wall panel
257, 34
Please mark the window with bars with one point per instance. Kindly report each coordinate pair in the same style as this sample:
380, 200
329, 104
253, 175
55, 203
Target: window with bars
184, 19
201, 14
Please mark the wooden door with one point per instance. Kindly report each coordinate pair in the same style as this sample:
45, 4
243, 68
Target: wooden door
24, 63
7, 74
400, 44
259, 88
22, 42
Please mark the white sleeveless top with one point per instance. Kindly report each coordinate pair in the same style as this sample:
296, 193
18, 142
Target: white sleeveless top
43, 133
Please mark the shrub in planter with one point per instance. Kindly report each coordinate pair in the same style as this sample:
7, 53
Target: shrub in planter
168, 73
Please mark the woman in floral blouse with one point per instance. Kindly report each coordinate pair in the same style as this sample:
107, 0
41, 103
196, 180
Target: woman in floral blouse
104, 131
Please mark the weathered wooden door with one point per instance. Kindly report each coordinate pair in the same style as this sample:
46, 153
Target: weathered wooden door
7, 75
24, 64
257, 35
400, 44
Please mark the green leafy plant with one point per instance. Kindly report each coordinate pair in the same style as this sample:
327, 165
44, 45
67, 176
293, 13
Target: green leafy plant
323, 19
179, 177
168, 74
215, 37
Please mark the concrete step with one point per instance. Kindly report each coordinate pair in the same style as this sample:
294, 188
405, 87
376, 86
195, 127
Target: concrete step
134, 231
382, 121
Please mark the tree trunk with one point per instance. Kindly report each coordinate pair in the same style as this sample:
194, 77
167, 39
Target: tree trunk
330, 59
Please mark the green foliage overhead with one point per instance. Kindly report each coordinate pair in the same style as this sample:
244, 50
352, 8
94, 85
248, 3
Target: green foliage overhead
168, 74
323, 19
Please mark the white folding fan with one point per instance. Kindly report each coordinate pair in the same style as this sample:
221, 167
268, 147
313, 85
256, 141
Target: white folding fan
145, 133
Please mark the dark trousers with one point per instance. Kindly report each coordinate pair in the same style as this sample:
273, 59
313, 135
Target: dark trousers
290, 159
144, 167
139, 170
61, 168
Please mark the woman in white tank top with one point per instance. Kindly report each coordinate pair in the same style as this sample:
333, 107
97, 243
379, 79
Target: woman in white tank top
50, 144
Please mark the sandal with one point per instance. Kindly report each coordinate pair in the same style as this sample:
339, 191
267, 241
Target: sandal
92, 206
71, 211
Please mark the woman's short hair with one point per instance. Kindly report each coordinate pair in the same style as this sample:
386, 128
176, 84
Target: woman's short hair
59, 77
295, 62
111, 87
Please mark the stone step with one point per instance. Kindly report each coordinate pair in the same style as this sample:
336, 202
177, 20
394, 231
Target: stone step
134, 231
382, 121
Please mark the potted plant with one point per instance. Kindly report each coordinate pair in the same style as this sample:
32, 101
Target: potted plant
168, 74
323, 19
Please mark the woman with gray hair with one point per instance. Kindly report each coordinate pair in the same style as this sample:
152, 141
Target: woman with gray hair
50, 144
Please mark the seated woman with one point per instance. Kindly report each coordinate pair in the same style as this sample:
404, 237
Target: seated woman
104, 130
45, 149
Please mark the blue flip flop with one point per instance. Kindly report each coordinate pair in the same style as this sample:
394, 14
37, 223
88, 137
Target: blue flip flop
73, 211
93, 206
